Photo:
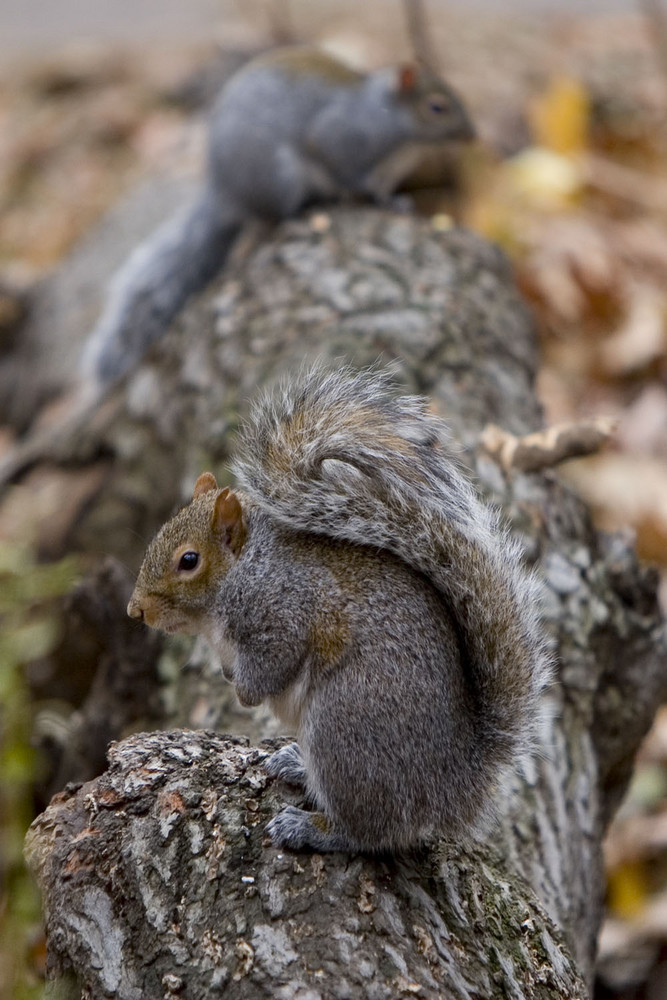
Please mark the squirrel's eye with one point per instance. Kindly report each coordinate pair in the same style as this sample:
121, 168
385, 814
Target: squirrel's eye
438, 105
188, 561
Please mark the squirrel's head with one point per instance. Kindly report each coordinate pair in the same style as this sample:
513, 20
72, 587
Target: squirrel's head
435, 109
188, 558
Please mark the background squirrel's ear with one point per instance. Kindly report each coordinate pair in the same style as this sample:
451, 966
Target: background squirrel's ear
227, 520
205, 483
406, 78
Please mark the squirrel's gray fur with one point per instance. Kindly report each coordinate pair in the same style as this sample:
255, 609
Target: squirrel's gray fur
373, 600
293, 126
448, 662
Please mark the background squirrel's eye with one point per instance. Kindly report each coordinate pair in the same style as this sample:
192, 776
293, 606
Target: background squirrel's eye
438, 105
188, 560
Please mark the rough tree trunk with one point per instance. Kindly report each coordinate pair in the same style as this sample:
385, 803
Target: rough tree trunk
157, 878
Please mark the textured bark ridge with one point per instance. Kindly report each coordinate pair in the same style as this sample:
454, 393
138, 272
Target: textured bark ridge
156, 877
173, 890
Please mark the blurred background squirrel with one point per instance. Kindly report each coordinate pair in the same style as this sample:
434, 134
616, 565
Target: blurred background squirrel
292, 127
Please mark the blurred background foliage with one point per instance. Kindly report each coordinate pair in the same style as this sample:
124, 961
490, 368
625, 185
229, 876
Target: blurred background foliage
29, 630
569, 176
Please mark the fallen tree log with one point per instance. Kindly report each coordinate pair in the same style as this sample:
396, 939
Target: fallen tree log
157, 878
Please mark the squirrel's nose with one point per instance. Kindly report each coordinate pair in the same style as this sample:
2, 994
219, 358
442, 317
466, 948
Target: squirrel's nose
135, 610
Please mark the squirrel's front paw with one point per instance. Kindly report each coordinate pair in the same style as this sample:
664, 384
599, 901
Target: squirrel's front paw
296, 829
247, 696
287, 764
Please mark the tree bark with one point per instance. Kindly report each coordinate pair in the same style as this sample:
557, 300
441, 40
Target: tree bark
157, 878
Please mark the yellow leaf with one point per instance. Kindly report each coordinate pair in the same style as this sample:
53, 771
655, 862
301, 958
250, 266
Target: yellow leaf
627, 890
559, 117
543, 179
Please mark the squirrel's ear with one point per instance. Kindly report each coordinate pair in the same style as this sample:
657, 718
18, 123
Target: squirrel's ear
227, 520
406, 78
204, 484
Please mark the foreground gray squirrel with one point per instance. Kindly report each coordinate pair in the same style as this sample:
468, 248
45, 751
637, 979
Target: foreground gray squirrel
373, 600
292, 127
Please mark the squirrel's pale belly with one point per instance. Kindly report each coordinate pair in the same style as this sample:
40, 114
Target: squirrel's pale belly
291, 704
216, 635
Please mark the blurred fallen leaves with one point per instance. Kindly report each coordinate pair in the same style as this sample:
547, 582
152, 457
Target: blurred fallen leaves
548, 175
583, 213
641, 337
635, 853
582, 210
74, 133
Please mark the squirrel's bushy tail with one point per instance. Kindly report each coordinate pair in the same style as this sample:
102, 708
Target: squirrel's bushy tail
158, 276
336, 453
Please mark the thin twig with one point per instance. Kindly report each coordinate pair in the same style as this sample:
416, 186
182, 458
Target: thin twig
544, 449
420, 36
657, 24
281, 25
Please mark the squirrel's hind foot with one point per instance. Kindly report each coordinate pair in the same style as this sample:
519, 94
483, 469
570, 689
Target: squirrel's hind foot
298, 830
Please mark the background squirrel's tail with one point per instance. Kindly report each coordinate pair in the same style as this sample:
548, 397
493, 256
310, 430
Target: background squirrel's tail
152, 285
335, 453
